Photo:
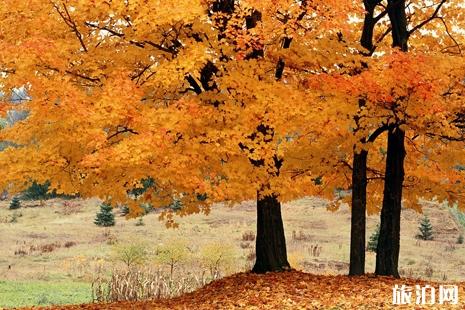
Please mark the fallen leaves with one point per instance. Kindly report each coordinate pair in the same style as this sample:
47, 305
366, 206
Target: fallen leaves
287, 290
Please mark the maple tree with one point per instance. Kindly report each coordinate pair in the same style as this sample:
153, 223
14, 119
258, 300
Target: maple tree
419, 96
404, 95
192, 101
224, 101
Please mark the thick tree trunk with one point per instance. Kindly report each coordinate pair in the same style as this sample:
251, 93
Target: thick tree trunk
368, 24
270, 248
387, 252
396, 12
359, 167
358, 219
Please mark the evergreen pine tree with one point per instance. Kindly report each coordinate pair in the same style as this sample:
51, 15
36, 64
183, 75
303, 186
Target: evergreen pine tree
15, 203
105, 217
124, 210
426, 230
176, 205
373, 242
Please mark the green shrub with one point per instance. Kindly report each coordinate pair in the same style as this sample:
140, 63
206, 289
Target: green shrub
373, 242
124, 210
146, 207
146, 184
426, 229
105, 216
37, 191
131, 254
15, 203
217, 257
176, 205
172, 253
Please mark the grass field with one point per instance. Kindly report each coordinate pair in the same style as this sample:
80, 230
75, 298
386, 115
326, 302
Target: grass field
42, 293
51, 253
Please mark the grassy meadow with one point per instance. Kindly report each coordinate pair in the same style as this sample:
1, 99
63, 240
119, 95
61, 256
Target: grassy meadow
52, 251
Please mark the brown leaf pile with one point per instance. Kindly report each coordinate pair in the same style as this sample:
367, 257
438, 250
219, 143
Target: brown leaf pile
288, 290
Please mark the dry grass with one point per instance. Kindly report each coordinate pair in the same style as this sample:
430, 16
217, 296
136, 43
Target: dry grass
318, 238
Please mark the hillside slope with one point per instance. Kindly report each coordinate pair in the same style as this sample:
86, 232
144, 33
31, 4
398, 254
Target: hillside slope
287, 290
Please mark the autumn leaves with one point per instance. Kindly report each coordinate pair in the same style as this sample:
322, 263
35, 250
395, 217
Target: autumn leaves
228, 100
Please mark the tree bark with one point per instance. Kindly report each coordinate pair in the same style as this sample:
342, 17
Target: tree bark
358, 219
387, 252
398, 18
270, 247
359, 166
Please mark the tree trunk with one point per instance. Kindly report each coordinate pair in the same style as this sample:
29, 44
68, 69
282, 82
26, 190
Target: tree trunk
387, 252
358, 219
359, 167
399, 32
270, 248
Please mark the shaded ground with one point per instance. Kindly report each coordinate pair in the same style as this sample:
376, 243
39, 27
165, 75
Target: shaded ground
288, 290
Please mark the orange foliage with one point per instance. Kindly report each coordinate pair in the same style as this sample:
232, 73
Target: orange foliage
175, 90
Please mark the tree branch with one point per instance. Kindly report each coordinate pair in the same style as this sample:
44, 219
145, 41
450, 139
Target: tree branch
124, 129
426, 21
69, 21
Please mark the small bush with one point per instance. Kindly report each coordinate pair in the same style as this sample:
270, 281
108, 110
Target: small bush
460, 239
216, 257
105, 216
109, 238
300, 236
173, 253
37, 191
131, 254
145, 185
251, 256
49, 247
373, 242
14, 217
250, 260
248, 236
69, 244
176, 205
449, 247
140, 222
315, 250
124, 210
42, 191
147, 208
70, 208
245, 245
15, 203
429, 271
21, 252
426, 229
